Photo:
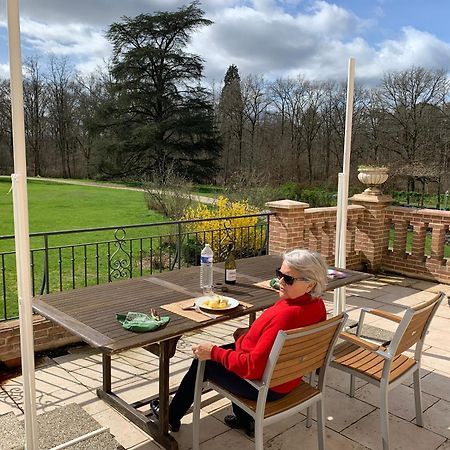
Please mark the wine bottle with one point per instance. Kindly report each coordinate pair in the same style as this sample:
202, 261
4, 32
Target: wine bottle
230, 266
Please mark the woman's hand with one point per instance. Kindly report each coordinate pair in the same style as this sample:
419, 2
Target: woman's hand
239, 332
202, 351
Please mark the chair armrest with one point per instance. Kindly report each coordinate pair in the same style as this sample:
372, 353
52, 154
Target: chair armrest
258, 385
359, 342
384, 314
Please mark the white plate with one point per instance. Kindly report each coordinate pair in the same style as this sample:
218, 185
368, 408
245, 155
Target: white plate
232, 303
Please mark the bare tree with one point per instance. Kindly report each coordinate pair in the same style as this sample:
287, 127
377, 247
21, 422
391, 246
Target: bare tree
62, 112
407, 97
255, 101
36, 109
312, 120
5, 119
91, 91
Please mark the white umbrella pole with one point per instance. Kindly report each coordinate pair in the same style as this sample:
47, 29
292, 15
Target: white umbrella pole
338, 293
21, 231
339, 300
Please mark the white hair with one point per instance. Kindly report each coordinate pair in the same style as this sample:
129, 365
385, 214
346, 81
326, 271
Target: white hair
311, 266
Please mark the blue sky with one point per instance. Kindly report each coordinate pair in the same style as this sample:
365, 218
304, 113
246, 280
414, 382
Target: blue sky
272, 38
391, 15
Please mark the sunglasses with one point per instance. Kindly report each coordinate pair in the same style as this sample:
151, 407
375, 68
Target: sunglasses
287, 278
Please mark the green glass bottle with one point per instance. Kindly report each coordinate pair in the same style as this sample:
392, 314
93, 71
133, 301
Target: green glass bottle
230, 265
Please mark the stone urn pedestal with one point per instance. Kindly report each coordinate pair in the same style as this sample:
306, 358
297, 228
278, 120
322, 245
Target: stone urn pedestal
373, 177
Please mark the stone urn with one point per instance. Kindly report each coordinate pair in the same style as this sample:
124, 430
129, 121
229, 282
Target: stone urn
373, 177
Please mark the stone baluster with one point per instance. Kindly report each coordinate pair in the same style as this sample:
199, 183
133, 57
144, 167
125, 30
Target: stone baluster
418, 242
400, 236
327, 240
438, 243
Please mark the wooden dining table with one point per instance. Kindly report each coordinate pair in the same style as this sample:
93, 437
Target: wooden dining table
90, 313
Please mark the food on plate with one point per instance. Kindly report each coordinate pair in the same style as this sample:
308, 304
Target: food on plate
216, 302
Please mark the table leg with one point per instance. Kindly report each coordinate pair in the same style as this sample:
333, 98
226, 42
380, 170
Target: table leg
159, 430
251, 318
164, 360
106, 363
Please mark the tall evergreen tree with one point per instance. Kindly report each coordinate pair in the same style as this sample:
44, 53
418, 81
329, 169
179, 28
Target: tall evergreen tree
231, 116
158, 115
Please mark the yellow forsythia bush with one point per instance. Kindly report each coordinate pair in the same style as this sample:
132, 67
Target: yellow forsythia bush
245, 233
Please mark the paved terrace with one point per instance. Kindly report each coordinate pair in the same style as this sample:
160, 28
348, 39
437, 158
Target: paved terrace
352, 424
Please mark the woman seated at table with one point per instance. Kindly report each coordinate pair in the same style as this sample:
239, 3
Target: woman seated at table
302, 279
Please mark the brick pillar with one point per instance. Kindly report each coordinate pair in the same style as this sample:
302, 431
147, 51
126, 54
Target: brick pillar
286, 226
373, 226
438, 243
418, 242
400, 237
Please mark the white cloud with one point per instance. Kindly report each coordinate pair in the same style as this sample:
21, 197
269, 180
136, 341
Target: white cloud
68, 39
278, 43
316, 43
413, 47
4, 71
271, 37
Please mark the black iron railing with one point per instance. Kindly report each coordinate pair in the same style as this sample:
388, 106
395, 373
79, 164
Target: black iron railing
62, 260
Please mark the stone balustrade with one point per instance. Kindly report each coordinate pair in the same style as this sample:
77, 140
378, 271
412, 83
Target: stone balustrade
380, 236
419, 239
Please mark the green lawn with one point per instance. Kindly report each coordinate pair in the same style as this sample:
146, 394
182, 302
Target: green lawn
54, 206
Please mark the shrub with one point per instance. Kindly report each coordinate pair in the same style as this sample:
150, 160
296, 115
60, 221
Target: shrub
169, 194
247, 233
315, 196
250, 186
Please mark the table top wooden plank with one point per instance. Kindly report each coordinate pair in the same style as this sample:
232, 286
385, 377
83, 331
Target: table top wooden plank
90, 335
89, 312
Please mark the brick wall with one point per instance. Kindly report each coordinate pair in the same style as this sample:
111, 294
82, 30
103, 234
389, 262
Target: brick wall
47, 335
295, 225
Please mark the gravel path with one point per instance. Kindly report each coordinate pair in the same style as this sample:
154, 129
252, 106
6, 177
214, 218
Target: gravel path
197, 198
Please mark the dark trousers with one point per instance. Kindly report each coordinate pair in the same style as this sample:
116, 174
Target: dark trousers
217, 373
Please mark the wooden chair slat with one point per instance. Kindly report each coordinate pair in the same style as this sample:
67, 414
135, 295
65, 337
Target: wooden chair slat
307, 340
320, 343
353, 355
297, 370
396, 364
405, 365
301, 393
343, 349
414, 331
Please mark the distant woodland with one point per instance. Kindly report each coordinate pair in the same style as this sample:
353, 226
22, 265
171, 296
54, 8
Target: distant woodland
149, 112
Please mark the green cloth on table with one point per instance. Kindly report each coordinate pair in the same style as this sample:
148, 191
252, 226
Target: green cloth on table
274, 283
140, 322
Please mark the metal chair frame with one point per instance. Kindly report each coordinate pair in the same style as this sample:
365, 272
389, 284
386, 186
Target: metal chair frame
260, 413
399, 343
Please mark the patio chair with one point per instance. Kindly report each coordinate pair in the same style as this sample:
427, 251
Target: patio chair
295, 353
387, 366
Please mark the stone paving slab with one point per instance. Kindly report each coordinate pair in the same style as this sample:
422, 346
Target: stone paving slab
351, 423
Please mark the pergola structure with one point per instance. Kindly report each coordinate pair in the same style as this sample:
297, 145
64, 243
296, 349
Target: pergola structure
424, 173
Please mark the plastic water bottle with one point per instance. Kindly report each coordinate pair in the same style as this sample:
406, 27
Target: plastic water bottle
206, 269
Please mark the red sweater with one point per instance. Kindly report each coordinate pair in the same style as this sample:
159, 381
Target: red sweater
249, 358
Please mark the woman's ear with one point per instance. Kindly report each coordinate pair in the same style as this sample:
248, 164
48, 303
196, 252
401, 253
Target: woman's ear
311, 286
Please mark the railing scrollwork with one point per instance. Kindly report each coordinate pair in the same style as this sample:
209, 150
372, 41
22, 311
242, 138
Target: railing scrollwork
120, 260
